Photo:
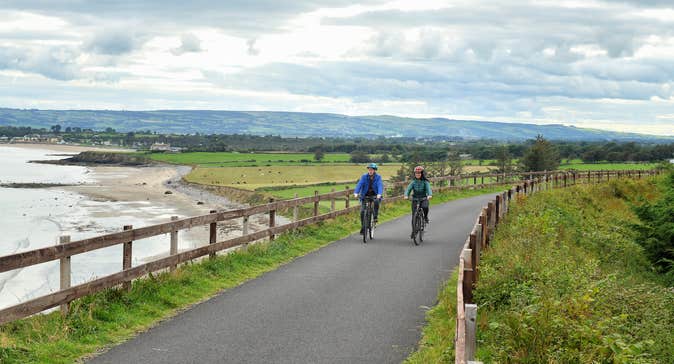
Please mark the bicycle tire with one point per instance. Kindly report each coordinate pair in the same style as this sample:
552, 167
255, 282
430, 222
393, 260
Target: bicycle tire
416, 227
370, 228
422, 225
366, 225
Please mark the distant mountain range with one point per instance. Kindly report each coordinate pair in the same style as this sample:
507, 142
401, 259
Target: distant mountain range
299, 124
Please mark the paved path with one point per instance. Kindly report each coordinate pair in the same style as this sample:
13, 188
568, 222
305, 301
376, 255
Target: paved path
348, 302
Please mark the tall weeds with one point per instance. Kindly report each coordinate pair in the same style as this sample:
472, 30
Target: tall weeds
567, 282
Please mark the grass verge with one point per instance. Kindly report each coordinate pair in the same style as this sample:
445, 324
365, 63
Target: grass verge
113, 316
566, 281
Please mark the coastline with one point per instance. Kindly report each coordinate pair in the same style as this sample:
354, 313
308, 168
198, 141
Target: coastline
145, 195
66, 148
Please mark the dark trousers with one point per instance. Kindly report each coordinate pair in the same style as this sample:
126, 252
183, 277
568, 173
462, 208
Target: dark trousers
377, 201
424, 206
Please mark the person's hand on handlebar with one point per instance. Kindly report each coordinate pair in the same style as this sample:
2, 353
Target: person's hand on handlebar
429, 197
378, 197
405, 197
355, 195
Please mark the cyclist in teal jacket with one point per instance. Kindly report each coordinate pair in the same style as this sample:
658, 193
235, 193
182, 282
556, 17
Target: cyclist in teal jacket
420, 188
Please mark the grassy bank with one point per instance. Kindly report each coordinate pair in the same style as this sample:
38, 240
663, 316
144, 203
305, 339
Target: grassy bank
112, 316
566, 282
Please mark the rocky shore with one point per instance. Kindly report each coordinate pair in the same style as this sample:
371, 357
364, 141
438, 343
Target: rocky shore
95, 158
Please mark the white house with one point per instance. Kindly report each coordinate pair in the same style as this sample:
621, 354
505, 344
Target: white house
160, 147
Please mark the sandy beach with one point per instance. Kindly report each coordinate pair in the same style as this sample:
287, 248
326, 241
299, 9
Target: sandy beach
156, 186
117, 183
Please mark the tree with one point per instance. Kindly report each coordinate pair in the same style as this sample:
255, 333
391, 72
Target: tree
541, 156
56, 128
455, 162
319, 155
359, 156
504, 160
128, 140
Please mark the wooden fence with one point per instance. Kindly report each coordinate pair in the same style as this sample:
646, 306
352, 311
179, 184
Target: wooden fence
129, 237
482, 233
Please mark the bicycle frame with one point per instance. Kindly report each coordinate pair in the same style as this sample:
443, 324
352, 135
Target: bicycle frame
418, 221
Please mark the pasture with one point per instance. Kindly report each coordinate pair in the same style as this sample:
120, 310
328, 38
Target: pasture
252, 178
578, 165
234, 159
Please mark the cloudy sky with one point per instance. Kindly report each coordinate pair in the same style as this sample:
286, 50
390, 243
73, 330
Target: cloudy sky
601, 64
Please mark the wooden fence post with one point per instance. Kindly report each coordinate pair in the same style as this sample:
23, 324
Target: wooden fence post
468, 277
245, 227
475, 255
126, 258
483, 225
498, 210
471, 331
213, 234
316, 203
490, 221
174, 243
332, 202
272, 219
65, 274
295, 211
348, 195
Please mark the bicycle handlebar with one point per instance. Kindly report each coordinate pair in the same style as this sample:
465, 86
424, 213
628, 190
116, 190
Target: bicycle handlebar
419, 199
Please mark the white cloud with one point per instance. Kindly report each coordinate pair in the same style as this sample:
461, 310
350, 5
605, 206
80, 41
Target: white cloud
585, 63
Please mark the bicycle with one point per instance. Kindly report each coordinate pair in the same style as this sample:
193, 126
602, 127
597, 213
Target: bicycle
418, 221
367, 222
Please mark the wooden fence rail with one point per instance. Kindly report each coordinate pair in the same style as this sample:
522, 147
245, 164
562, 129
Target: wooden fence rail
131, 237
483, 230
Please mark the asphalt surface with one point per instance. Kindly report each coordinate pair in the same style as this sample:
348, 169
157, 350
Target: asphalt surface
348, 302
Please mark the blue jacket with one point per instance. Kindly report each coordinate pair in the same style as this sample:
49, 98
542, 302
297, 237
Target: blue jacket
363, 184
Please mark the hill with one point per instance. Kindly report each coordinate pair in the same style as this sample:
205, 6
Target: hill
298, 124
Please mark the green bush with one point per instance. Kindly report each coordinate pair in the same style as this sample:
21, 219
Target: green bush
656, 231
565, 281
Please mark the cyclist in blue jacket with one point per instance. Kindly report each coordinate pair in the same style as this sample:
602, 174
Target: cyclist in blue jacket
370, 185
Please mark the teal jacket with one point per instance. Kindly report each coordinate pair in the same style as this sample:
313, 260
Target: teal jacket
421, 188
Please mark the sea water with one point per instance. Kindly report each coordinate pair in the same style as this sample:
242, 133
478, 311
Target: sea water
32, 218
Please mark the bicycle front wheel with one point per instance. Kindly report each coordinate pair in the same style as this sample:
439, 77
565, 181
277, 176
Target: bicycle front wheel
366, 225
416, 227
370, 229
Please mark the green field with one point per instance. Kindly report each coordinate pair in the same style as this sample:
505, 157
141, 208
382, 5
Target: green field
579, 166
287, 193
252, 178
233, 159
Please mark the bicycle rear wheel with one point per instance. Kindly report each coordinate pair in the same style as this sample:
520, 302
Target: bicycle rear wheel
366, 225
371, 226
